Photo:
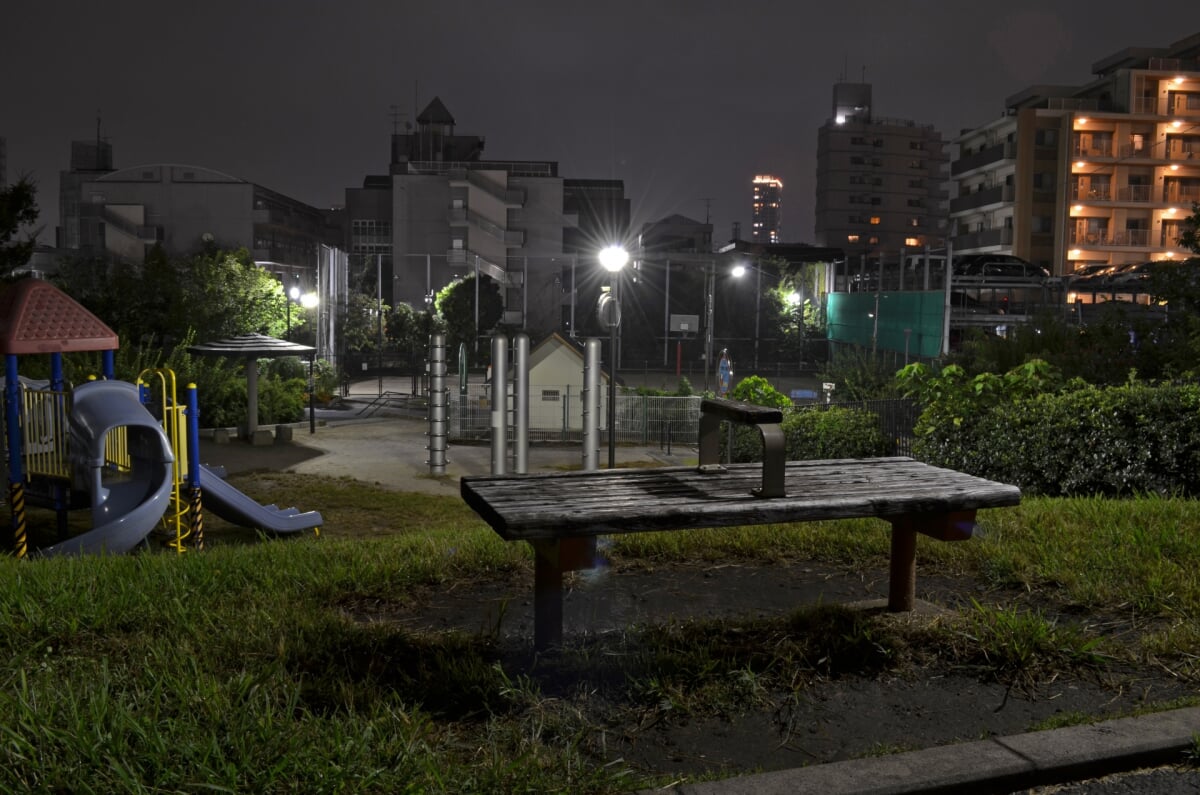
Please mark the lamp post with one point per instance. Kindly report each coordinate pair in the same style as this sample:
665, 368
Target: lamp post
612, 259
293, 294
710, 284
739, 271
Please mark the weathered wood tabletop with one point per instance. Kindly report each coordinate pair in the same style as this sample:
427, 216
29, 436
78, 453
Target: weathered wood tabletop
545, 506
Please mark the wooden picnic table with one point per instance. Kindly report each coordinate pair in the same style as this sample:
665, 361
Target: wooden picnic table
561, 513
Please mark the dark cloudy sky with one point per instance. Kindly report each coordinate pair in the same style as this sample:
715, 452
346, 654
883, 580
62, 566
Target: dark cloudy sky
683, 99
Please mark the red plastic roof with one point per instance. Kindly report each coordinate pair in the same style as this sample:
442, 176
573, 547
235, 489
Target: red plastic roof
37, 317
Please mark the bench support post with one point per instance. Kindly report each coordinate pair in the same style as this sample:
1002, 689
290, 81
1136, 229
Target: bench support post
902, 579
547, 595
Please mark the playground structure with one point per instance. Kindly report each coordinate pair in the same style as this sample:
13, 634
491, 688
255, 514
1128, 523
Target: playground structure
100, 446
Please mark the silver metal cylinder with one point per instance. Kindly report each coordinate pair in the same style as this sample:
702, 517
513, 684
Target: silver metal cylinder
521, 404
437, 405
591, 404
499, 415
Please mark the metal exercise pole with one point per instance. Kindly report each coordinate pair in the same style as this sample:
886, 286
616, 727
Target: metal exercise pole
521, 404
591, 405
499, 404
437, 404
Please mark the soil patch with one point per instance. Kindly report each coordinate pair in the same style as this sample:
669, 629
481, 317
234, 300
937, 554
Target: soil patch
932, 702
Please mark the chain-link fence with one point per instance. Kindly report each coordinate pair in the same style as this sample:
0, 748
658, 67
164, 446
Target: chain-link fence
556, 415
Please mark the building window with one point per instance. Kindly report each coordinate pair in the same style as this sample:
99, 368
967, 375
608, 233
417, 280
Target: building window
916, 202
876, 200
857, 161
551, 395
915, 145
874, 241
914, 221
916, 183
858, 139
875, 220
919, 164
851, 238
912, 241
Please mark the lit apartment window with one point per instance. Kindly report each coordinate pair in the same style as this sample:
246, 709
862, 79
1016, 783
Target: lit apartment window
914, 221
874, 241
851, 238
912, 241
875, 220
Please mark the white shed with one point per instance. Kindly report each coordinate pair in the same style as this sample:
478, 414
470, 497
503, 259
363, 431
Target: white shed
556, 386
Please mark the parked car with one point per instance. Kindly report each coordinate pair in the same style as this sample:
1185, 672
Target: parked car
1002, 268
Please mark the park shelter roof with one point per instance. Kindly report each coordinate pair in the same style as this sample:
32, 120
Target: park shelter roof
257, 346
37, 317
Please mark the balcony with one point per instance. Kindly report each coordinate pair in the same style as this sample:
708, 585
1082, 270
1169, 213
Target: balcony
998, 195
983, 239
1095, 149
1096, 193
1134, 193
1174, 192
1132, 238
983, 159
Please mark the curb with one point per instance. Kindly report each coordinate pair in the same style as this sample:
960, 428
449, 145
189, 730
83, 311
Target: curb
999, 765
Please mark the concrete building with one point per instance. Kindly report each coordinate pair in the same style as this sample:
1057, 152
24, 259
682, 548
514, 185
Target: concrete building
879, 180
1099, 173
767, 212
443, 212
122, 213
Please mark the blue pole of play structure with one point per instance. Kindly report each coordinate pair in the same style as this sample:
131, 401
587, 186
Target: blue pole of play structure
16, 479
107, 365
195, 501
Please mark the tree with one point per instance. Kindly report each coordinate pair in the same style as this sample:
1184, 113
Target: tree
409, 330
18, 208
456, 305
1190, 238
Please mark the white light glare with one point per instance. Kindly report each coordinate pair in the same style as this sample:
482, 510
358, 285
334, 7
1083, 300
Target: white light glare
613, 258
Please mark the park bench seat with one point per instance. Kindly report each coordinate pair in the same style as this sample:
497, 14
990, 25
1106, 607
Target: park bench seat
561, 513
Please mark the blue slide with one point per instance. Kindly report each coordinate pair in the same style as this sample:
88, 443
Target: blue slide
126, 506
234, 506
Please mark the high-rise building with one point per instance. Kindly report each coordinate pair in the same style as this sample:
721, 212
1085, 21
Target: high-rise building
1101, 173
444, 212
879, 180
768, 209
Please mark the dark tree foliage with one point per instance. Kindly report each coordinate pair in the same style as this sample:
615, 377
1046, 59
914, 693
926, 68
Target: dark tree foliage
18, 207
456, 305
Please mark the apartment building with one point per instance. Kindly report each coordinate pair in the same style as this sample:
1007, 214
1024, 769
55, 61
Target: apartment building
122, 213
443, 211
1100, 173
880, 181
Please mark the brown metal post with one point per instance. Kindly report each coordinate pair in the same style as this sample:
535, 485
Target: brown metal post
547, 595
902, 584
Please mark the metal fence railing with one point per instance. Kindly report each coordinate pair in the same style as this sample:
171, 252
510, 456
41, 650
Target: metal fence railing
897, 418
556, 415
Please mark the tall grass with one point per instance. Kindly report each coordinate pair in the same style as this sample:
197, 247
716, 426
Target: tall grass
249, 669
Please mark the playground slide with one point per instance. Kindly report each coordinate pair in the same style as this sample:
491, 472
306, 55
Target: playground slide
126, 506
234, 506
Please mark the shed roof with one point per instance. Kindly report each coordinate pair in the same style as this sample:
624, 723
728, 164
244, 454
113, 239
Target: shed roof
37, 317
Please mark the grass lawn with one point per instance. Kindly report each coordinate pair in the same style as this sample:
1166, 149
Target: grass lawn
248, 668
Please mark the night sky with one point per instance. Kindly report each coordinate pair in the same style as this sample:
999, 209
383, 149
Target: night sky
685, 100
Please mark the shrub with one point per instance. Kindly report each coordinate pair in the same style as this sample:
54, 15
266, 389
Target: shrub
818, 432
758, 390
1071, 439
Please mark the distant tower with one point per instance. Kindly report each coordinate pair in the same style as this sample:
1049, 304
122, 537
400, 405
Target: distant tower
768, 209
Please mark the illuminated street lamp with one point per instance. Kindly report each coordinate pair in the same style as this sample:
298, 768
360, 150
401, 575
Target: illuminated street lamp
738, 272
612, 259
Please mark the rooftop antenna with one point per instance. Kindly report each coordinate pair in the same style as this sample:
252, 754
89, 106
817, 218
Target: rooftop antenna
707, 206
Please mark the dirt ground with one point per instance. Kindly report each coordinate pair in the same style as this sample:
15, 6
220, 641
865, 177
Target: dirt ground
837, 718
